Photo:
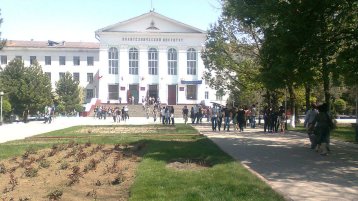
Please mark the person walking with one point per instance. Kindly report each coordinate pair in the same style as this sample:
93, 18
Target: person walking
308, 124
241, 119
185, 114
227, 118
323, 124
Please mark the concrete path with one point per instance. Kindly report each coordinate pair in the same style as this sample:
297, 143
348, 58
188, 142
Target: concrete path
284, 161
290, 167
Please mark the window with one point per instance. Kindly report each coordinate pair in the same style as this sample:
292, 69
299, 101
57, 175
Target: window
133, 61
153, 61
62, 60
89, 61
32, 60
62, 75
76, 60
90, 77
76, 77
48, 74
89, 93
206, 95
172, 61
113, 92
47, 60
191, 92
3, 59
18, 57
113, 60
219, 96
191, 61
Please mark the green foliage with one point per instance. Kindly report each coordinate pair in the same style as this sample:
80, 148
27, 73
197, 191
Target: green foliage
340, 105
68, 93
2, 41
27, 88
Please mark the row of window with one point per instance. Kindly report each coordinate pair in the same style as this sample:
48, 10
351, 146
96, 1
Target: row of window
48, 60
75, 76
153, 61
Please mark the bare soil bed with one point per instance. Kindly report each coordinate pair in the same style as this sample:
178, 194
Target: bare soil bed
70, 172
123, 130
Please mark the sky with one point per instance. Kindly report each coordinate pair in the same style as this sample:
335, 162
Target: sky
77, 20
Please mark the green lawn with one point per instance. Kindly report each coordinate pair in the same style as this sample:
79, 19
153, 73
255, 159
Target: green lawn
343, 132
222, 178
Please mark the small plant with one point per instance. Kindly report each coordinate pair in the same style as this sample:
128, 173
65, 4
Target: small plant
91, 165
2, 168
80, 156
13, 182
113, 168
24, 199
28, 152
55, 195
93, 194
74, 176
87, 144
98, 183
31, 172
52, 152
41, 157
64, 165
44, 163
118, 179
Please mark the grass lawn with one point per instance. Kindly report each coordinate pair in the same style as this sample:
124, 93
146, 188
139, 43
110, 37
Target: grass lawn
214, 176
343, 132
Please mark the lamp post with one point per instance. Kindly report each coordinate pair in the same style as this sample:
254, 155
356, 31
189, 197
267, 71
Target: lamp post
1, 95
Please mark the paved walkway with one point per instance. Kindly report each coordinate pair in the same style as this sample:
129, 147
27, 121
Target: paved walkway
283, 161
290, 167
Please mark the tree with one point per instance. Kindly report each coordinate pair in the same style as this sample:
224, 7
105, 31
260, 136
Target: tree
68, 93
230, 59
28, 88
2, 41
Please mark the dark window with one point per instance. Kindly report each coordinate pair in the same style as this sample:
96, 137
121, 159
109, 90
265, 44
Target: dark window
3, 59
76, 77
47, 60
89, 93
89, 61
62, 60
206, 95
48, 74
191, 92
61, 75
90, 77
113, 92
32, 60
18, 57
76, 60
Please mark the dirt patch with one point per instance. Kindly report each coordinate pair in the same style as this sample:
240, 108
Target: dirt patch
123, 130
188, 164
70, 172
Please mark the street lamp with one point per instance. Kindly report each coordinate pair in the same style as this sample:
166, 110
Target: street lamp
1, 95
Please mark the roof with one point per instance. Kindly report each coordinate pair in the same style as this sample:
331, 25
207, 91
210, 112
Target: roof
150, 15
51, 44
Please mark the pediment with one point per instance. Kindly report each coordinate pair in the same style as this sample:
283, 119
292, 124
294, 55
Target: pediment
151, 22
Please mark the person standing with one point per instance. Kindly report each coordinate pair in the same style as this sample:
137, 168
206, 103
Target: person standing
227, 118
185, 114
241, 119
253, 116
214, 117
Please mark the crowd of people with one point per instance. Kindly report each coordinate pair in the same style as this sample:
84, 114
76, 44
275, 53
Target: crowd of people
118, 114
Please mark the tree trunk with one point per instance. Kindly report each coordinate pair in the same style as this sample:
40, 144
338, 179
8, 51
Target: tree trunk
307, 96
292, 94
326, 82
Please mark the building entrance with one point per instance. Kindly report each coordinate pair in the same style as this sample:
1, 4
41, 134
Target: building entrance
172, 94
133, 92
153, 91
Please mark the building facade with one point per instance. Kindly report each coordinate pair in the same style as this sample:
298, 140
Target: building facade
146, 56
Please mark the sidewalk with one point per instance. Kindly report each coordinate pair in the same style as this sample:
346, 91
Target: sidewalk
287, 164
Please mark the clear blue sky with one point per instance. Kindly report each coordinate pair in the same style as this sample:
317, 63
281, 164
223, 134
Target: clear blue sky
76, 20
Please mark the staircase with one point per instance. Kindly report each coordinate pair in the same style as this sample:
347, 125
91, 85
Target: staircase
137, 110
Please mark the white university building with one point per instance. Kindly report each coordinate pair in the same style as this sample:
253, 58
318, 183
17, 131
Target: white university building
147, 56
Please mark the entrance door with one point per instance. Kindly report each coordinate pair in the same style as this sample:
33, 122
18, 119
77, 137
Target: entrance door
153, 91
133, 92
172, 94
